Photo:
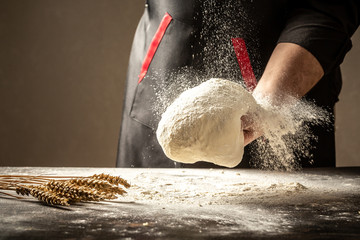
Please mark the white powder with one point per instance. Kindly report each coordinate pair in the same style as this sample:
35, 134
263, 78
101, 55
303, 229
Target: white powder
213, 187
203, 124
287, 137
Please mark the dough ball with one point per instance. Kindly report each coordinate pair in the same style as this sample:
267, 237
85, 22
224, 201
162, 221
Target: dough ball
203, 124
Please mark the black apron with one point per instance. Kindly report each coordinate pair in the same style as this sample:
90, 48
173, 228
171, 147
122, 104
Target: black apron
179, 44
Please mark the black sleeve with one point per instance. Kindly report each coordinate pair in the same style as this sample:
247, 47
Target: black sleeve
323, 27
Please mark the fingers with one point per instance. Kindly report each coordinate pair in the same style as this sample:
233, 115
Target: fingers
251, 135
246, 122
250, 129
248, 137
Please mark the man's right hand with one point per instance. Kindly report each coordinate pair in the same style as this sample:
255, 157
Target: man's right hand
250, 128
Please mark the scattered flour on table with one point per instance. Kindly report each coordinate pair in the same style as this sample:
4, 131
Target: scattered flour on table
213, 188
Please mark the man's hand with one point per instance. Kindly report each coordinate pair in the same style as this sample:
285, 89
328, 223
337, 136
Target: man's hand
291, 71
250, 128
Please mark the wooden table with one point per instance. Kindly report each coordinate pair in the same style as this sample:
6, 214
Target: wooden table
197, 204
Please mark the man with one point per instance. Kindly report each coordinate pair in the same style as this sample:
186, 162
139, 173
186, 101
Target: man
291, 48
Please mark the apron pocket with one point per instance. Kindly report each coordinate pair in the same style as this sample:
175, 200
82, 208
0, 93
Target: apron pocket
170, 50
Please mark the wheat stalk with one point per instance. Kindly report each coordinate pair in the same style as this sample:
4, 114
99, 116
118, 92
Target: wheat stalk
64, 190
112, 179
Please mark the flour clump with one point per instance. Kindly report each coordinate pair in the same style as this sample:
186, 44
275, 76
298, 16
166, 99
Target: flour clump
203, 124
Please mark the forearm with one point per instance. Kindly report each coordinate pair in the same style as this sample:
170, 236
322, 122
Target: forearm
291, 71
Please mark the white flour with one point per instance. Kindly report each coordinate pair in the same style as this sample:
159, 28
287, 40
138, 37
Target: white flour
206, 187
286, 136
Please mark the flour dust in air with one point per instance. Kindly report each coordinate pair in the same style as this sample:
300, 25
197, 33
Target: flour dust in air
287, 135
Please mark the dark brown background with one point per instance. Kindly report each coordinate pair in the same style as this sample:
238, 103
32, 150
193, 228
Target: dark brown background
62, 71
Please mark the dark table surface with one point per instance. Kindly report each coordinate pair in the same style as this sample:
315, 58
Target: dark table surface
196, 204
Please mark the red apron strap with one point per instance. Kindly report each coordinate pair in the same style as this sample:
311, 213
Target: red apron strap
244, 63
154, 45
